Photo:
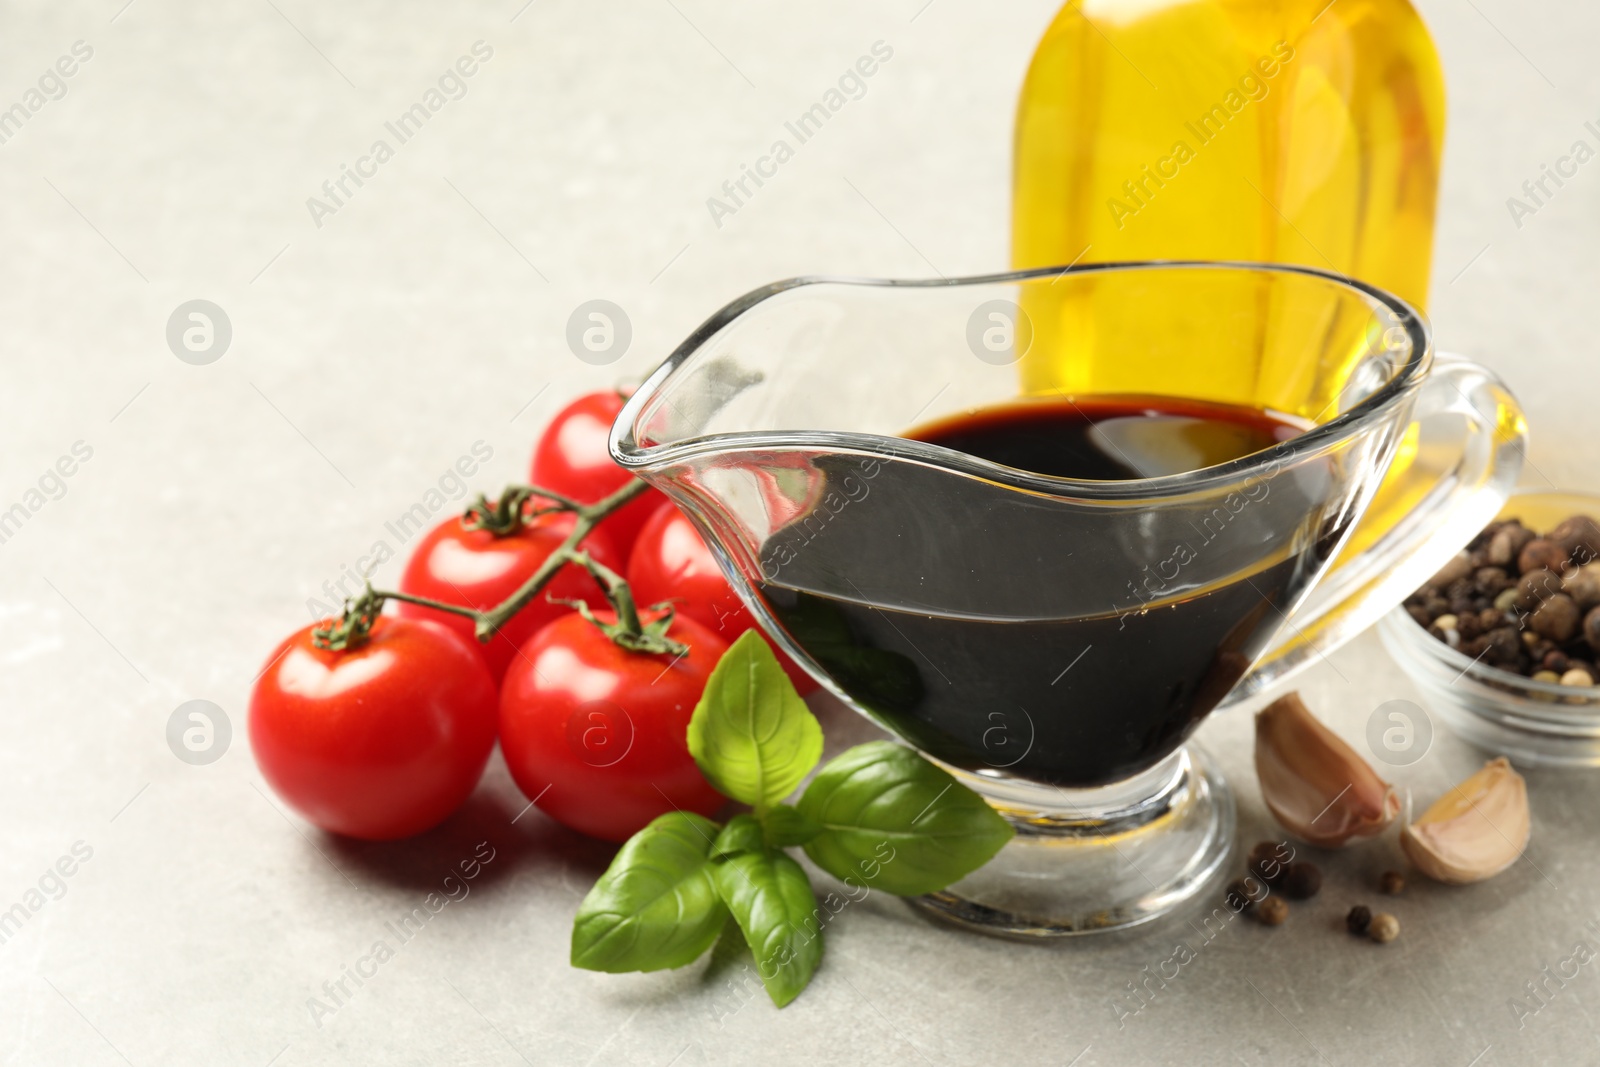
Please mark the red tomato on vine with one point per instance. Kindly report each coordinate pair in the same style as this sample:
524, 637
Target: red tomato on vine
380, 740
670, 562
573, 458
475, 568
597, 735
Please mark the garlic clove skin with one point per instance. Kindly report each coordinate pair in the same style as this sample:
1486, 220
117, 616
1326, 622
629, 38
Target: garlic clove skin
1474, 831
1315, 785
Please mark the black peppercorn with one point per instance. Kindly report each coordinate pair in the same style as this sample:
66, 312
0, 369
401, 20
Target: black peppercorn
1505, 647
1359, 919
1269, 860
1490, 580
1302, 881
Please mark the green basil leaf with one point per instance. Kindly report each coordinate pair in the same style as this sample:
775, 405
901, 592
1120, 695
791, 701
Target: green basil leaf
785, 826
742, 834
893, 821
751, 734
771, 900
657, 905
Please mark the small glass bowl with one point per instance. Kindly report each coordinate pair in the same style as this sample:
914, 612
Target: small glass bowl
1533, 723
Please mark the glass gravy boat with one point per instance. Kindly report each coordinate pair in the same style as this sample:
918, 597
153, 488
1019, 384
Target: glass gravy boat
1054, 641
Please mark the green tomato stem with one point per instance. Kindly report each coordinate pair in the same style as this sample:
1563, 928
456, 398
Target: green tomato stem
629, 631
589, 516
437, 605
502, 520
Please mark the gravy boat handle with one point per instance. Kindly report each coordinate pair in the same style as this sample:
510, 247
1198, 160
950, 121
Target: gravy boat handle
1455, 467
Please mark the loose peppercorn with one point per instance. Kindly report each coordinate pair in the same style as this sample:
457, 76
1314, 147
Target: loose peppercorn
1392, 883
1359, 918
1272, 911
1302, 881
1269, 860
1384, 928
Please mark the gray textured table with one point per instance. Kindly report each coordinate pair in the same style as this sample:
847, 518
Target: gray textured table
378, 338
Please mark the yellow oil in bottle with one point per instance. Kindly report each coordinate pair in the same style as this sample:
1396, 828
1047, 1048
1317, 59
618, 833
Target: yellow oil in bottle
1289, 131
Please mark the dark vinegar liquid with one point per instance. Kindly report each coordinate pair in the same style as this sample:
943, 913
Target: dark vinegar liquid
1078, 700
1108, 440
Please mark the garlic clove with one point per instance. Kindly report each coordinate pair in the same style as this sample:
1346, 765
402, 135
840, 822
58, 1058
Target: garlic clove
1317, 786
1476, 830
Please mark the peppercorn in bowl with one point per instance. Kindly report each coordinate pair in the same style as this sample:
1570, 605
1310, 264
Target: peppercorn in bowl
1504, 641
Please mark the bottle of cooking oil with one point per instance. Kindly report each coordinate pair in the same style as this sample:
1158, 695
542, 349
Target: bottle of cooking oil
1291, 131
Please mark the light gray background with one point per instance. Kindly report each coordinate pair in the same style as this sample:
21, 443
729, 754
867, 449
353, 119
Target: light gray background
429, 313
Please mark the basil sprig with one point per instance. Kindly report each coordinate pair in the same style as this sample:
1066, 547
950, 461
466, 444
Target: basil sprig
878, 816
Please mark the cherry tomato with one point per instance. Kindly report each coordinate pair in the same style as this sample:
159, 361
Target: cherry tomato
380, 741
598, 736
573, 458
476, 569
670, 561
